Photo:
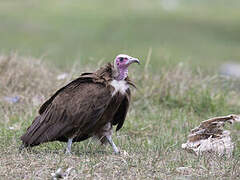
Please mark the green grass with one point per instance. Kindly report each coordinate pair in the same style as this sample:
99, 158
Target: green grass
65, 31
164, 109
177, 90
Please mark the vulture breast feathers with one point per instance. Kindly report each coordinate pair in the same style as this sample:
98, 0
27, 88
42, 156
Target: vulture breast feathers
81, 109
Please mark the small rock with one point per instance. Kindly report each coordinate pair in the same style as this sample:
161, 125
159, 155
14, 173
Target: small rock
12, 100
58, 174
231, 70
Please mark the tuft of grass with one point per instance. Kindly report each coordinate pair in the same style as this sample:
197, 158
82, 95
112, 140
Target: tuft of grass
26, 77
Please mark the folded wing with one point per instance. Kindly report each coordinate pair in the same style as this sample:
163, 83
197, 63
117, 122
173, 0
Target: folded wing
74, 108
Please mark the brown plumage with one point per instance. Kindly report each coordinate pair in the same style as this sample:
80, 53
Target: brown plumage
88, 106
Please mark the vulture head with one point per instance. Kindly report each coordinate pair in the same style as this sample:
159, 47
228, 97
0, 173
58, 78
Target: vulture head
121, 64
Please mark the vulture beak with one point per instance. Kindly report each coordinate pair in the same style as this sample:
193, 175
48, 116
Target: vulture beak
133, 60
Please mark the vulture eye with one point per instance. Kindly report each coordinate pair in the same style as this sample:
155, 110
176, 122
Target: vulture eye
121, 59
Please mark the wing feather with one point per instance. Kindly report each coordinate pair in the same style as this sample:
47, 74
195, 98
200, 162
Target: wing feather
75, 107
121, 113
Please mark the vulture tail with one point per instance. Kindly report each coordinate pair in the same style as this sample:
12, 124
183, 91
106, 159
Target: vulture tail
40, 131
27, 138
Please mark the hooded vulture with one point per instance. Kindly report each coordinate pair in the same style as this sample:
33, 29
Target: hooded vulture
88, 106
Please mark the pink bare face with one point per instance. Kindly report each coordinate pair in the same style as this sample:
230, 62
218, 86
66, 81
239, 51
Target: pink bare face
123, 61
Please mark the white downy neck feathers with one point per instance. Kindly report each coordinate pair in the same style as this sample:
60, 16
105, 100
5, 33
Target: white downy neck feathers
119, 86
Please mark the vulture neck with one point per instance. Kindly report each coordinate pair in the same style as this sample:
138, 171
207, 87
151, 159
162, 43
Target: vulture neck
120, 73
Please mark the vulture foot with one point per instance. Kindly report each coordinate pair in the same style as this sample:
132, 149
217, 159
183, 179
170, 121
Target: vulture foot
110, 141
69, 146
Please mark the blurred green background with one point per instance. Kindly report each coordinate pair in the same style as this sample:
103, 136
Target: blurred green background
199, 32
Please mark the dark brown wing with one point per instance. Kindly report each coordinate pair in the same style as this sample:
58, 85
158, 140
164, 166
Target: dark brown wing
75, 107
85, 77
121, 113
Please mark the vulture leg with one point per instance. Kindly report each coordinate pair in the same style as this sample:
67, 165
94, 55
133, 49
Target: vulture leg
110, 141
69, 145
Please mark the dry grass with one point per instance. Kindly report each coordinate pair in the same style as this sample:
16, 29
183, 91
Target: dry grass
29, 79
165, 107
